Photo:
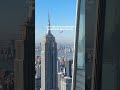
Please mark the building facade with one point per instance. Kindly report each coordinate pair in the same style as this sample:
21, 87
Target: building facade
78, 81
68, 68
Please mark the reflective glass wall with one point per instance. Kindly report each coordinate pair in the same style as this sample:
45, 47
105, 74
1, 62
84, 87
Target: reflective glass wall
79, 56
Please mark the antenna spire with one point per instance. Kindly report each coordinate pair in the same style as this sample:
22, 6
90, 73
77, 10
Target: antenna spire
48, 31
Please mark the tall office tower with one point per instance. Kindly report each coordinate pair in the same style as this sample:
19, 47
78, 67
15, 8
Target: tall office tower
24, 69
49, 61
79, 47
66, 83
68, 66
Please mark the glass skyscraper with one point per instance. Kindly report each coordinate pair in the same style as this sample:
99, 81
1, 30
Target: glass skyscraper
78, 82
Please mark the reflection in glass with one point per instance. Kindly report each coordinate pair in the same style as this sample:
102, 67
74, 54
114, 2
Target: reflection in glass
79, 57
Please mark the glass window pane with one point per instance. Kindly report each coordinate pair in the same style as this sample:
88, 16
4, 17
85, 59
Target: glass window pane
80, 73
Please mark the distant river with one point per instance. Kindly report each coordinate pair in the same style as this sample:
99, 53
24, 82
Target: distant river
69, 55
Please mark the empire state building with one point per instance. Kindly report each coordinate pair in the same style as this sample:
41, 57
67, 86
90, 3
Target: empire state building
49, 61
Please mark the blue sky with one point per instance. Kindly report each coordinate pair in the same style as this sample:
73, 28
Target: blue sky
62, 13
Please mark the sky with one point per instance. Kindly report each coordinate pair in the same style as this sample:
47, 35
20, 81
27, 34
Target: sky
61, 12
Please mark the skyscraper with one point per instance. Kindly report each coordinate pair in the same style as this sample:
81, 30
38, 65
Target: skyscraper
68, 66
49, 61
79, 47
24, 71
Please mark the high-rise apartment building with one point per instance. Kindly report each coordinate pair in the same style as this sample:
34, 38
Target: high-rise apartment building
49, 61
